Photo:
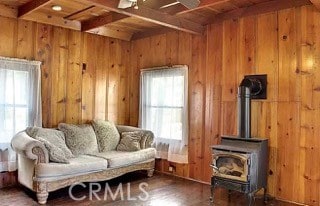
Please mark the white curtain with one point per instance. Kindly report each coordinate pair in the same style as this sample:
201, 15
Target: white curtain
20, 104
164, 110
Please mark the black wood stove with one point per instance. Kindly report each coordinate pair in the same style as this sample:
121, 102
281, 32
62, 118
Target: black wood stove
240, 163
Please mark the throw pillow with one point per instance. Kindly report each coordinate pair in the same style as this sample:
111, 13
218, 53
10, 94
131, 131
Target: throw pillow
107, 135
130, 141
55, 153
81, 139
53, 136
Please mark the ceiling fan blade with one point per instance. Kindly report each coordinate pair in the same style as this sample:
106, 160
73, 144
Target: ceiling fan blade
190, 4
123, 4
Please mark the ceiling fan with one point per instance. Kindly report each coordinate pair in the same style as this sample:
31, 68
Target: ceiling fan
190, 4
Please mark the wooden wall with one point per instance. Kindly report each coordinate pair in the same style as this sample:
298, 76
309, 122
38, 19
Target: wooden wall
84, 76
285, 45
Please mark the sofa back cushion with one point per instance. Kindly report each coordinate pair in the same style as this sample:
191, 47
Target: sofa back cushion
81, 139
53, 136
107, 135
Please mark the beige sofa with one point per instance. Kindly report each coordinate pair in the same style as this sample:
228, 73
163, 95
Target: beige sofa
38, 174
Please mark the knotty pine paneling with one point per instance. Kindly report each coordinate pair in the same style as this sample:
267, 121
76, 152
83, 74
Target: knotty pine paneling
286, 46
86, 76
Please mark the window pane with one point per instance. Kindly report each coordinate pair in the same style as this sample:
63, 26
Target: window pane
13, 103
8, 118
21, 119
9, 86
167, 91
6, 124
21, 90
166, 122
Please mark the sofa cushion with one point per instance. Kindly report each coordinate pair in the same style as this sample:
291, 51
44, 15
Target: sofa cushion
121, 158
130, 141
107, 135
53, 136
55, 153
81, 139
79, 165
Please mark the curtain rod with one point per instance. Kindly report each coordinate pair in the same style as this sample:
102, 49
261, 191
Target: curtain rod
20, 61
164, 67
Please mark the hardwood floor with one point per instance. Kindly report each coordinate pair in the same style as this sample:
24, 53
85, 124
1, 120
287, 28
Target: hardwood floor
163, 190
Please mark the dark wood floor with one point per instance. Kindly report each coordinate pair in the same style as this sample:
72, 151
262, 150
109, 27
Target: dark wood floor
163, 190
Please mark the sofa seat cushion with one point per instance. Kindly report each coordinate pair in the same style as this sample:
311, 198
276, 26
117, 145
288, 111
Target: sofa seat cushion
122, 158
79, 165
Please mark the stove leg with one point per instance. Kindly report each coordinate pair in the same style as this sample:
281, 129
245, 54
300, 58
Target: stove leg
229, 195
265, 198
213, 186
212, 194
250, 199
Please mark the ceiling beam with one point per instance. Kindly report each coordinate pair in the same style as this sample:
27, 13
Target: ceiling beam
153, 16
177, 9
265, 7
150, 32
180, 9
316, 3
53, 20
31, 6
101, 21
156, 4
111, 32
256, 9
8, 11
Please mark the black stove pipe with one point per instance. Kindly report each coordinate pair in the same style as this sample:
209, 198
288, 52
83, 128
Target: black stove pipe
247, 88
244, 112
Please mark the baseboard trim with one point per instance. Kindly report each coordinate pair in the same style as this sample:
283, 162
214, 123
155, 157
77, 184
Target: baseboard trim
292, 202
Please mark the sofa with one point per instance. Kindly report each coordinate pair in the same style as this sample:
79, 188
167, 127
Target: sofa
37, 172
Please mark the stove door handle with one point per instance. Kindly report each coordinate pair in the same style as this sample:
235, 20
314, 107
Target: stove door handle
214, 167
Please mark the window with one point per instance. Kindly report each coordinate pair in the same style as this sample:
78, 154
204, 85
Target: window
14, 103
20, 103
164, 104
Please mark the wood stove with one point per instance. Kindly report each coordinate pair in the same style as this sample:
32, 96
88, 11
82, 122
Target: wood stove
240, 162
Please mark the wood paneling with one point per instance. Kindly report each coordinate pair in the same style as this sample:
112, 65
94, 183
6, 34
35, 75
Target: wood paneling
85, 77
77, 69
8, 179
285, 45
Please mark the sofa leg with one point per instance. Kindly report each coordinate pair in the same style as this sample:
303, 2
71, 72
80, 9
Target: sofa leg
42, 197
150, 172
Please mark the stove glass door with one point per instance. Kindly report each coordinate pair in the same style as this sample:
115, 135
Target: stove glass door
230, 165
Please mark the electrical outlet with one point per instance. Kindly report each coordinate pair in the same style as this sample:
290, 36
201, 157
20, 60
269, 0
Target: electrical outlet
170, 169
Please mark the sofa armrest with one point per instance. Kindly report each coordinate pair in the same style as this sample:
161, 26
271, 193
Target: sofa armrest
147, 138
31, 148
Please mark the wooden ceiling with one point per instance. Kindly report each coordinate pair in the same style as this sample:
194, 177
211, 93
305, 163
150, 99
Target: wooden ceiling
103, 17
